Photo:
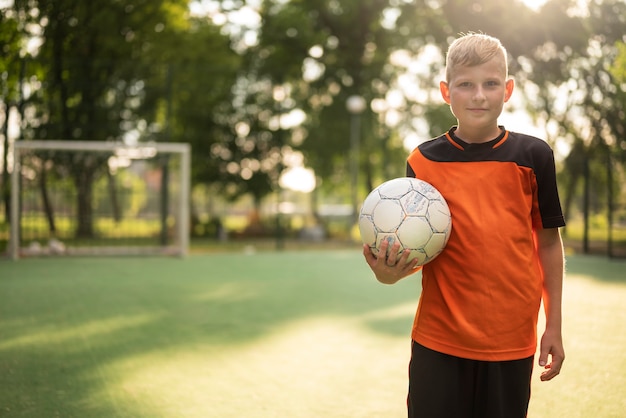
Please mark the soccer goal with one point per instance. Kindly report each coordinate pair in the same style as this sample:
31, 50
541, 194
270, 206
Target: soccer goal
99, 198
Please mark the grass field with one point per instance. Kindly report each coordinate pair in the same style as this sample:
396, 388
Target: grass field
267, 334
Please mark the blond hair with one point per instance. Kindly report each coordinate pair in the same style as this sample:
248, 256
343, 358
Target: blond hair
474, 49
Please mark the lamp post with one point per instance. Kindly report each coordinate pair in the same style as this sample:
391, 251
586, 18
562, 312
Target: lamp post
355, 105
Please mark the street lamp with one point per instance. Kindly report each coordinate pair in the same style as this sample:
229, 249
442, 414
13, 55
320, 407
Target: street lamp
355, 105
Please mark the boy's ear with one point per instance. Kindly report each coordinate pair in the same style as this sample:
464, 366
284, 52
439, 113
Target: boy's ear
445, 91
508, 89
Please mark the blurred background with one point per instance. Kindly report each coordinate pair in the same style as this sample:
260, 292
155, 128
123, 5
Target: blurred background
293, 111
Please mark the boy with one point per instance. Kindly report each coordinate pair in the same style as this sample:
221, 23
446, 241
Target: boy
475, 331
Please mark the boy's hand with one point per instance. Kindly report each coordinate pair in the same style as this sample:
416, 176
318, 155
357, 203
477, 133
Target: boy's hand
551, 345
390, 269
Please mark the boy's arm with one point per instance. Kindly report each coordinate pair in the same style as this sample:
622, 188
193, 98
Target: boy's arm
390, 269
550, 251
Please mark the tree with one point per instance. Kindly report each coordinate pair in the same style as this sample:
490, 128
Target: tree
147, 70
584, 104
94, 56
13, 73
189, 98
324, 52
104, 78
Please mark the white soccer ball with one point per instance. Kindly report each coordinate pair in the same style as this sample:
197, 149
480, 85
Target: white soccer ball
410, 211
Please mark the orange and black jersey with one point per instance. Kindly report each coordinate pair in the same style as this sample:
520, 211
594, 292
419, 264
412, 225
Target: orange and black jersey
481, 296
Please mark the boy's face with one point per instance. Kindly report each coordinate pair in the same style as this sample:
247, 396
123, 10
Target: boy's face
476, 95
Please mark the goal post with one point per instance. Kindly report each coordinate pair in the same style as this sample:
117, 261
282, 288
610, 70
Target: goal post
99, 198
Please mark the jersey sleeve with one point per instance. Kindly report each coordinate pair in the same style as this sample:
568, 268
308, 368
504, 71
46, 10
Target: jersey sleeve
548, 196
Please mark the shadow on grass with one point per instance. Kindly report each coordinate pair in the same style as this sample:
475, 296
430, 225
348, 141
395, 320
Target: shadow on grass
66, 323
599, 268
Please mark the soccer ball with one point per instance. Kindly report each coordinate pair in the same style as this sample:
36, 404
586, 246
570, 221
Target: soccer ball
411, 211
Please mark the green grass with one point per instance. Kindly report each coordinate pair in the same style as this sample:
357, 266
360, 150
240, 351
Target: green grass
268, 334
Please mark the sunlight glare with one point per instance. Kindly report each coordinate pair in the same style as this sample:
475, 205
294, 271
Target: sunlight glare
534, 4
284, 373
298, 179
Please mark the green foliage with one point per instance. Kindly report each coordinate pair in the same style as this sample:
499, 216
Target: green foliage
130, 190
618, 69
147, 70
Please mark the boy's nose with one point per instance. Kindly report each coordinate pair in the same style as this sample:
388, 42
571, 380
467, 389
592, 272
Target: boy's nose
479, 95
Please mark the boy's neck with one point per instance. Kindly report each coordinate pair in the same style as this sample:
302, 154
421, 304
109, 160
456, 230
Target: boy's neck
477, 136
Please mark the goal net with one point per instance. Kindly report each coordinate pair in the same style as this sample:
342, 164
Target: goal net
99, 198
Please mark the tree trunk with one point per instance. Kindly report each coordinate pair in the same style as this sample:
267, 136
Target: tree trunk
84, 188
115, 204
5, 191
45, 199
586, 205
164, 209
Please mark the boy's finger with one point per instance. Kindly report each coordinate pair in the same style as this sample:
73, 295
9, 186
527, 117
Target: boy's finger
394, 254
367, 252
549, 374
383, 247
553, 369
543, 357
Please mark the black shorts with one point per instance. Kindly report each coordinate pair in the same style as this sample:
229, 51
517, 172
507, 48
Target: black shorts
443, 386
